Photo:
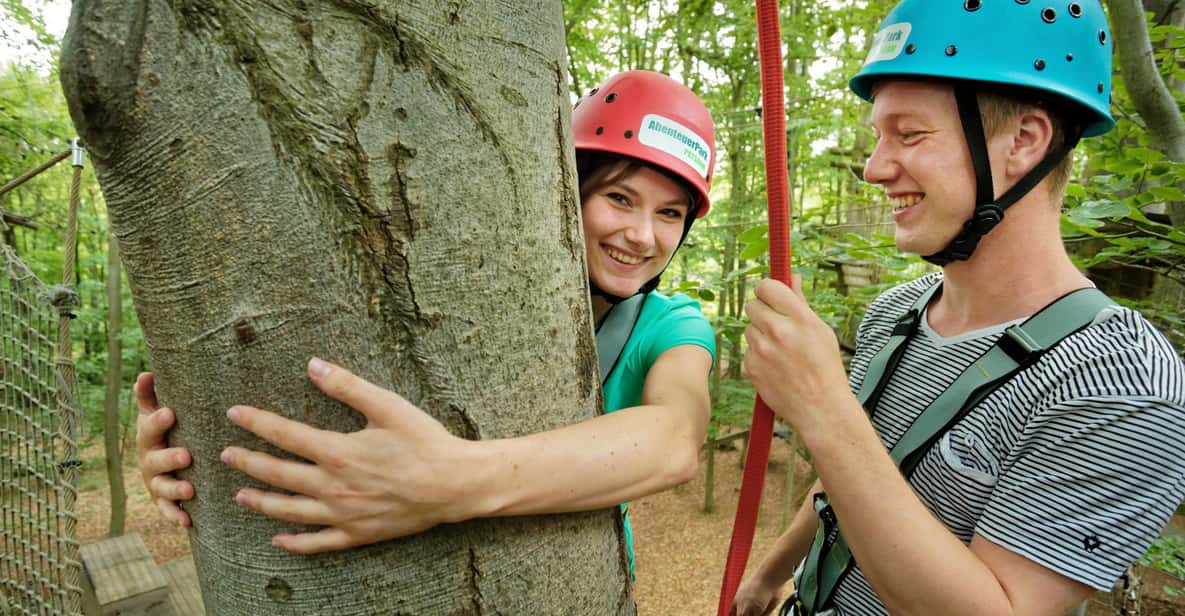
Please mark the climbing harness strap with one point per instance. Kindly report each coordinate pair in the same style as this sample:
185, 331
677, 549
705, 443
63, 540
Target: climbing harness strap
614, 331
829, 558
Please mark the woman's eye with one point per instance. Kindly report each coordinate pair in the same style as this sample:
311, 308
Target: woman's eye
673, 213
617, 197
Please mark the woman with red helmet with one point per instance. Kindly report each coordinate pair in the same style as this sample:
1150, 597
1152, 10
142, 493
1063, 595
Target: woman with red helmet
645, 150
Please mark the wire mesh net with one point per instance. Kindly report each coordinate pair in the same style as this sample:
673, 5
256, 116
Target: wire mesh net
39, 564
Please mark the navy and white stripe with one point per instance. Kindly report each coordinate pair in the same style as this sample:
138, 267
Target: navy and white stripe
1076, 463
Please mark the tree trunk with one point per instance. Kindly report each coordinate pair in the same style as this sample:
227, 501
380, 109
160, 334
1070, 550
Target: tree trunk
1150, 94
112, 426
386, 185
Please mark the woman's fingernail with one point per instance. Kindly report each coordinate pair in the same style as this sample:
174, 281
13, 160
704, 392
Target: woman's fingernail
241, 498
318, 368
227, 456
233, 413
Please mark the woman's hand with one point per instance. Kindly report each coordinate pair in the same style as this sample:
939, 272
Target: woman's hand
402, 474
157, 462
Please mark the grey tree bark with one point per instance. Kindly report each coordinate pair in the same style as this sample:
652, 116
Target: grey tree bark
387, 185
1150, 94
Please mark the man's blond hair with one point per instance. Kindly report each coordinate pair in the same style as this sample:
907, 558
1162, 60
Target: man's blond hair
998, 109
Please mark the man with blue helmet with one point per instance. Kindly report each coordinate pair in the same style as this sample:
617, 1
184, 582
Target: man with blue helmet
1009, 440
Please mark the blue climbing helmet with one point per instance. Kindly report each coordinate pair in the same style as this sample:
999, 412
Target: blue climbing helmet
1057, 54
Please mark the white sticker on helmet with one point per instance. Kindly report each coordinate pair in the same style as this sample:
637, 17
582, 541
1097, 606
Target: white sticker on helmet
667, 135
889, 43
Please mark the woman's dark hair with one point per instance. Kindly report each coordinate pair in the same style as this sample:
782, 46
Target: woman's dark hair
597, 169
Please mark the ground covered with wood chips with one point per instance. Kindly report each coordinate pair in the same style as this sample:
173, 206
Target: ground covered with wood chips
680, 548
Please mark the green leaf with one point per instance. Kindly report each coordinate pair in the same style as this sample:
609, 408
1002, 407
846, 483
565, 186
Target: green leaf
1076, 191
1167, 193
1144, 155
753, 234
1102, 209
755, 249
706, 294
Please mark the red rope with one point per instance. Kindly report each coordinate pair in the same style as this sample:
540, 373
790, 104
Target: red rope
769, 38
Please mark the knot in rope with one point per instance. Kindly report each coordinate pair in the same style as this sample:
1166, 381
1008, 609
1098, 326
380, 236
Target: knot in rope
64, 298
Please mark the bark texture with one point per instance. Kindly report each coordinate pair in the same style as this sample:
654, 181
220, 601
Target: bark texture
387, 185
1149, 93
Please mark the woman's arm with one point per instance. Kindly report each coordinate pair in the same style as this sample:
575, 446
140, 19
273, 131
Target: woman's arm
404, 473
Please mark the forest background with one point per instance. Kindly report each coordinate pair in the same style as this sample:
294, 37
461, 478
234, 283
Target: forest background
1122, 219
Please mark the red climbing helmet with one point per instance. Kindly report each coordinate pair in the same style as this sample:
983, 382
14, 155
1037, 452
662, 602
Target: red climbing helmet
655, 119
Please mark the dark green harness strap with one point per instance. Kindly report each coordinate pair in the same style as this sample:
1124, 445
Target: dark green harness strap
829, 558
615, 330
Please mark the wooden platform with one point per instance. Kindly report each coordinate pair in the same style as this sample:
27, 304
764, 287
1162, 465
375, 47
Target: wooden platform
122, 579
185, 593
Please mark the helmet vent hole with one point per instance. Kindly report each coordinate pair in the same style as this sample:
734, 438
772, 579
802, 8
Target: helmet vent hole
971, 5
600, 130
1022, 1
593, 91
629, 134
1049, 15
1075, 10
612, 97
910, 49
951, 50
1102, 37
1069, 57
1039, 64
1101, 87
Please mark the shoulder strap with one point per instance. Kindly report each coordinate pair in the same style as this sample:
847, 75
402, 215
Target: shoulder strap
615, 330
829, 558
884, 362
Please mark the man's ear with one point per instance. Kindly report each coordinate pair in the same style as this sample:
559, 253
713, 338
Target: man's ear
1031, 135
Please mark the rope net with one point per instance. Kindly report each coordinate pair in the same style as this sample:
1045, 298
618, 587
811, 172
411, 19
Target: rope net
40, 569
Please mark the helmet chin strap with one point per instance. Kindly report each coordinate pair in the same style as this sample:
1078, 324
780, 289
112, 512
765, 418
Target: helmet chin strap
989, 211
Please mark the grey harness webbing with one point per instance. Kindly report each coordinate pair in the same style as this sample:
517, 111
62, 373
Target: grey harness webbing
615, 330
829, 558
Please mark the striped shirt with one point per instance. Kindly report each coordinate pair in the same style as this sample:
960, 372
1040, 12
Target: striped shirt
1076, 463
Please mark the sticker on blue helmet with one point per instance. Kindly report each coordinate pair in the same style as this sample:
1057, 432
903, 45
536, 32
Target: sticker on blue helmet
889, 43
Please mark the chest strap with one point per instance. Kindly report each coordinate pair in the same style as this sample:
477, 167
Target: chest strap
615, 330
829, 558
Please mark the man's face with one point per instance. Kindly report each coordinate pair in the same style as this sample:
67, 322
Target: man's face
922, 161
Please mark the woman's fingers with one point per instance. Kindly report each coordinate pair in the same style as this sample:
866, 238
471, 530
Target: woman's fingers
299, 477
160, 461
325, 540
173, 513
295, 508
145, 392
168, 488
291, 436
381, 407
151, 429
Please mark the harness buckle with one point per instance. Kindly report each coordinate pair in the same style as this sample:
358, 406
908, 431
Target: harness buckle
1019, 345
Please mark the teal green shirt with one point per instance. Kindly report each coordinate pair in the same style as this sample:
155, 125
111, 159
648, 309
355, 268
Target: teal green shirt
664, 323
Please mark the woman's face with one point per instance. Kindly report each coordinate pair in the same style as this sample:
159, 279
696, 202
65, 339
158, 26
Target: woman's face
632, 226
